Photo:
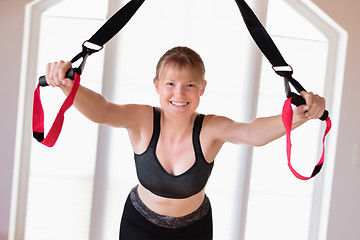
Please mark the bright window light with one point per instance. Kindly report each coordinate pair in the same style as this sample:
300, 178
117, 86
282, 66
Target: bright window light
61, 178
279, 204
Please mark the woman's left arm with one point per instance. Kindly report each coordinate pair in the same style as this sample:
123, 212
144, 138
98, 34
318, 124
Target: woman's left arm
263, 130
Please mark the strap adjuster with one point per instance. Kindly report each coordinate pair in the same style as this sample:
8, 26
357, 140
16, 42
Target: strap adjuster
282, 68
284, 71
88, 48
91, 47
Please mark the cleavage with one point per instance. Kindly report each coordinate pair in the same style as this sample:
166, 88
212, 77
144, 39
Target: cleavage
172, 157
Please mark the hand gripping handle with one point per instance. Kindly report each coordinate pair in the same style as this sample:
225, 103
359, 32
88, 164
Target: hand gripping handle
298, 100
69, 74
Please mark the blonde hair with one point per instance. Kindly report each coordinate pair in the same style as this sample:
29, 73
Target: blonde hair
183, 58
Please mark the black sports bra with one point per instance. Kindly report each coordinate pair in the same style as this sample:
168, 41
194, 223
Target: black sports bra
156, 179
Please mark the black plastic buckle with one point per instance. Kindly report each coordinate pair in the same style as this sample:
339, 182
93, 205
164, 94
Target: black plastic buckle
88, 48
91, 47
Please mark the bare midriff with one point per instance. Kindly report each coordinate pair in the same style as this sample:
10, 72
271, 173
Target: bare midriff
170, 206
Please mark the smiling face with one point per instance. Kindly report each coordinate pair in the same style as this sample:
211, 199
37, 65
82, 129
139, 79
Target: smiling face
179, 89
179, 81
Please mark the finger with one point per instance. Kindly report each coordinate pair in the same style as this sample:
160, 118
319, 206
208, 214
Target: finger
68, 82
63, 69
54, 77
61, 72
51, 74
47, 75
308, 97
58, 76
317, 107
301, 111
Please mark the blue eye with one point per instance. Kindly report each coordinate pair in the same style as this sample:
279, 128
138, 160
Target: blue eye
191, 85
170, 84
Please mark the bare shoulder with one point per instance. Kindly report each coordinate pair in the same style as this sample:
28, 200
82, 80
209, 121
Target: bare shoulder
215, 123
216, 119
213, 135
139, 125
139, 110
144, 115
129, 116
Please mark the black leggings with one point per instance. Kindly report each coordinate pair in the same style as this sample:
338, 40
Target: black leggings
134, 226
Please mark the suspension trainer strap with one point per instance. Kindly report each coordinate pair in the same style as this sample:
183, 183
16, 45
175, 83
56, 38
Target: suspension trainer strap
260, 35
271, 52
102, 36
115, 23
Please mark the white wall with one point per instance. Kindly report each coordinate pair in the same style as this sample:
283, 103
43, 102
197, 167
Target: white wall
344, 216
11, 27
345, 207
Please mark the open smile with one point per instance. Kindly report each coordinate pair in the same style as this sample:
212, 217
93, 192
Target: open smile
179, 104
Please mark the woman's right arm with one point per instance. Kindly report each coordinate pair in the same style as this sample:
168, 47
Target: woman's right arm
91, 104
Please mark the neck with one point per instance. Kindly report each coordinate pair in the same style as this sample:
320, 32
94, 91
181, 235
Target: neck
174, 127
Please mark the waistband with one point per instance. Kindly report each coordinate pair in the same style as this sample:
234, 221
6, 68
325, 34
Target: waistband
167, 221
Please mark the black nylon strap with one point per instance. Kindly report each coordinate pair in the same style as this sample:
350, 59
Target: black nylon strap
110, 28
260, 35
115, 23
271, 52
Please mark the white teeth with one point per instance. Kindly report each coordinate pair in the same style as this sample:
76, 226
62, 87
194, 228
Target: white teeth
180, 104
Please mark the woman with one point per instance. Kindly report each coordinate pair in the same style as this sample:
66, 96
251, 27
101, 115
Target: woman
174, 145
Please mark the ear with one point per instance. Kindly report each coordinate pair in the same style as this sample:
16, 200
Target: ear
156, 84
202, 90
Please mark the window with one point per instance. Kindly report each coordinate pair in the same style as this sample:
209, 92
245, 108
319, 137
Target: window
279, 204
61, 178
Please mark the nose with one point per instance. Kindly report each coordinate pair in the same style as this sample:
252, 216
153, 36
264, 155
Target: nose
180, 91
